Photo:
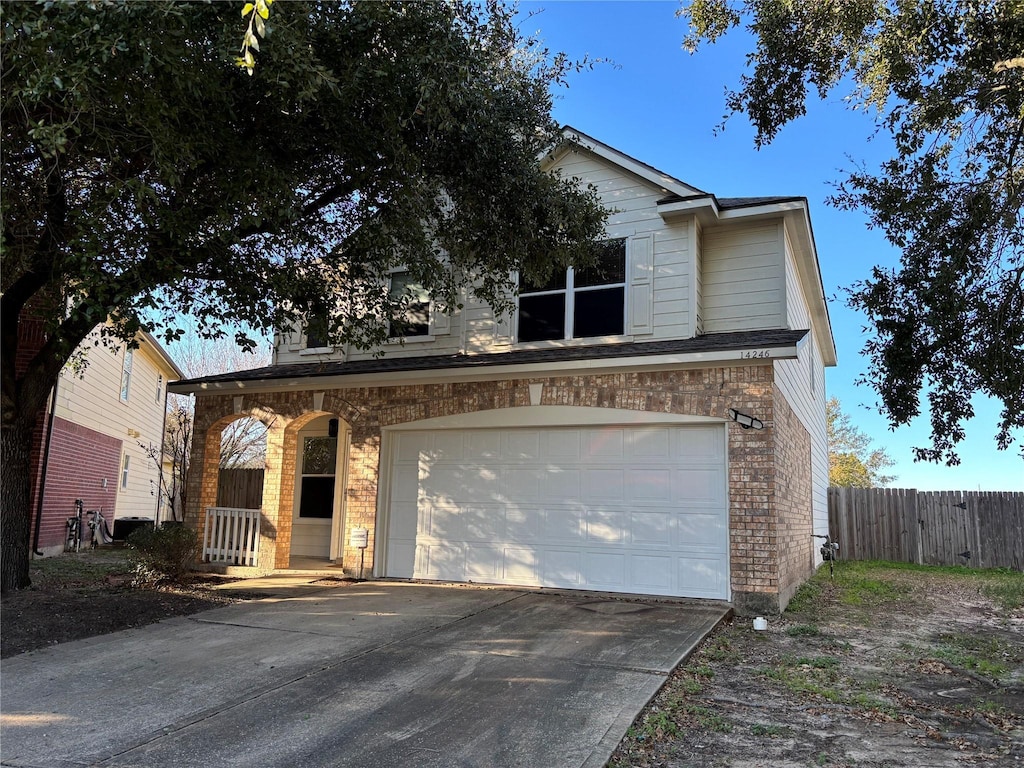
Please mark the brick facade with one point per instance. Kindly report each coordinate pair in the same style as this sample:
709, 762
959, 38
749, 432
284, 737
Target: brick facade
760, 521
793, 500
80, 460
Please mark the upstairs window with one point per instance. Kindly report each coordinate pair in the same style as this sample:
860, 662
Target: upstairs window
413, 319
577, 304
316, 333
126, 374
159, 396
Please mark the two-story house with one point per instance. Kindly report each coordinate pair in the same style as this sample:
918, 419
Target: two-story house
652, 425
102, 440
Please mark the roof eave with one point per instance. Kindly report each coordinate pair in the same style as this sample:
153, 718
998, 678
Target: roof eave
739, 356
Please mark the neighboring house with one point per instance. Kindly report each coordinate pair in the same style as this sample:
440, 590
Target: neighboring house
108, 407
587, 441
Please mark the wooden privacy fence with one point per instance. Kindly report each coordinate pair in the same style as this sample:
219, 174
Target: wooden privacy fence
241, 488
982, 530
231, 536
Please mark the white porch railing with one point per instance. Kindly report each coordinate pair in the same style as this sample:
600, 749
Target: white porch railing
231, 536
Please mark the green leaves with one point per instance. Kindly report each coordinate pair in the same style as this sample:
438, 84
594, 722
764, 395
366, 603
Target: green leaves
256, 13
943, 79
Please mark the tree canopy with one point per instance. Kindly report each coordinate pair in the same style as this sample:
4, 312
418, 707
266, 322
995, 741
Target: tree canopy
852, 462
147, 176
946, 81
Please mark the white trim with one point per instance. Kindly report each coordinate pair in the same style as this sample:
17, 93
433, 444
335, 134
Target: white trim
645, 172
548, 416
336, 552
513, 371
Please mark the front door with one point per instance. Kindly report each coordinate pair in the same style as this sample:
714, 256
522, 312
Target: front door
314, 494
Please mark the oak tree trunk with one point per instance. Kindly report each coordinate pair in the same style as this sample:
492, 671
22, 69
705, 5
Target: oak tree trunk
15, 498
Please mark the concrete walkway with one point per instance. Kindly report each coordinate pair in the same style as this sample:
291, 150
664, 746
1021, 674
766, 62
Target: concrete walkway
373, 674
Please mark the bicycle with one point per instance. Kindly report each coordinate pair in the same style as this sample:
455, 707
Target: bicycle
829, 553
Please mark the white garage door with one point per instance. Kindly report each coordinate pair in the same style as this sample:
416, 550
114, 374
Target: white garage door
615, 508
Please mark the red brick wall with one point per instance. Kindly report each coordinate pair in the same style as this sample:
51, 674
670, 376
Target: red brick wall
80, 459
757, 573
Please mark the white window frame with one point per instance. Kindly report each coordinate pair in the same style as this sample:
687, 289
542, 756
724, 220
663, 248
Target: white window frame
429, 335
570, 290
159, 389
126, 373
125, 470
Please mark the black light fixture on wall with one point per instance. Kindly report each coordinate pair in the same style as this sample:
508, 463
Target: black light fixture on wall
747, 422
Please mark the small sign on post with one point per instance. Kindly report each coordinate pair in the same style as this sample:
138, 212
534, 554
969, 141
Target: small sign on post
359, 538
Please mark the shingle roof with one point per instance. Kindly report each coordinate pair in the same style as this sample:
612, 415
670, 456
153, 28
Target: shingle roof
726, 203
713, 342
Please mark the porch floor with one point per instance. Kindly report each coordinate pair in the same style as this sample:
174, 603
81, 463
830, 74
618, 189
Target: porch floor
313, 565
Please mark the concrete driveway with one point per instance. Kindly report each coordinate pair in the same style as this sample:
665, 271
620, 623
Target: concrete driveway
376, 674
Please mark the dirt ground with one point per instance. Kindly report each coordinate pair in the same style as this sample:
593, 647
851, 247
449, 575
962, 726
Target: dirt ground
89, 593
888, 666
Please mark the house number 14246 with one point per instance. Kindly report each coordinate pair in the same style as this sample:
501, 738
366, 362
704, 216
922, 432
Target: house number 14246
749, 354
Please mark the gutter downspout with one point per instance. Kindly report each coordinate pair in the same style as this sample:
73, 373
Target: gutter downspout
42, 473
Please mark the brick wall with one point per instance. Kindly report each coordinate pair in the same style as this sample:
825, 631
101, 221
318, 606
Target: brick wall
793, 500
80, 459
758, 574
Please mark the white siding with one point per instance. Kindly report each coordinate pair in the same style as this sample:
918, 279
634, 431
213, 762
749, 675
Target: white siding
795, 379
94, 401
743, 278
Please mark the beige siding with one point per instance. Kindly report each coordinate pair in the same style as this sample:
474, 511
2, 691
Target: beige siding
474, 328
802, 383
743, 278
93, 399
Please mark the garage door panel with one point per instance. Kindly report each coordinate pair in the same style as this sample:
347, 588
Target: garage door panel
649, 484
444, 562
702, 576
521, 483
484, 444
701, 531
523, 522
648, 443
706, 446
606, 570
448, 446
651, 572
405, 484
411, 445
603, 484
651, 529
626, 509
402, 558
561, 444
443, 522
605, 526
520, 444
483, 522
562, 523
483, 562
562, 568
560, 484
698, 487
603, 443
519, 565
405, 521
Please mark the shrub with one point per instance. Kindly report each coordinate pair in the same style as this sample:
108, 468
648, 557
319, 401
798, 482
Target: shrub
162, 554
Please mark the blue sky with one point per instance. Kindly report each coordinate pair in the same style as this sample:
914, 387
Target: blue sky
661, 105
